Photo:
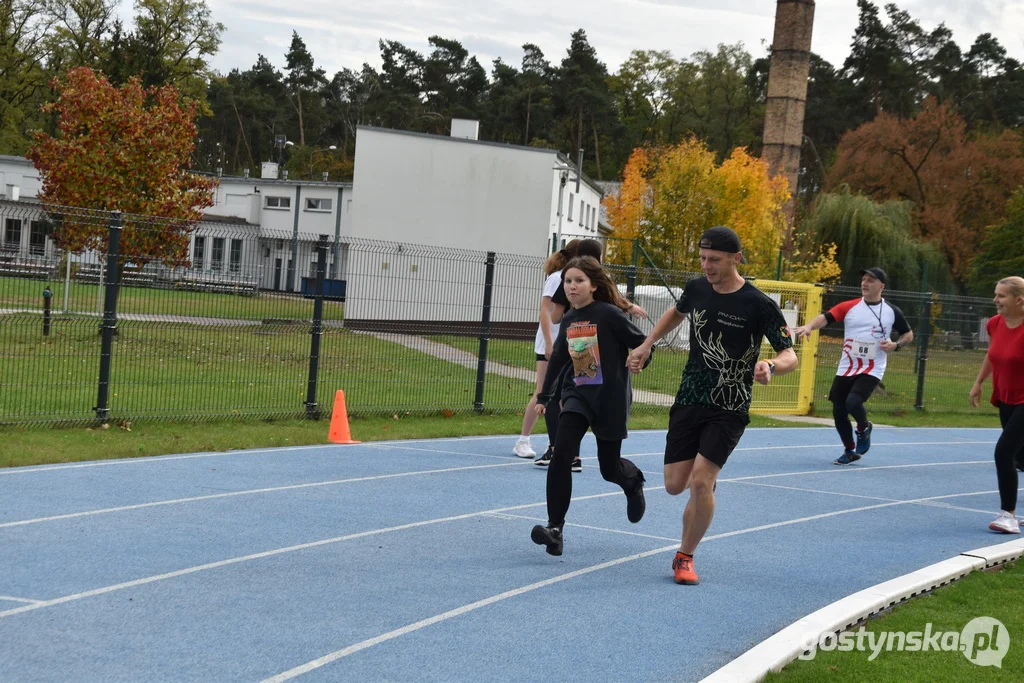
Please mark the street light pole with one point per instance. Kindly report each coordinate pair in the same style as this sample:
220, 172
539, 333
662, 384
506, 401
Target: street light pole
312, 157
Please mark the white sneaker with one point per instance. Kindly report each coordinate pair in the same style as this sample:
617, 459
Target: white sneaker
1005, 523
523, 449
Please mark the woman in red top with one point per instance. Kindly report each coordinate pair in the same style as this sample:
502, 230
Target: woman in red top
1005, 362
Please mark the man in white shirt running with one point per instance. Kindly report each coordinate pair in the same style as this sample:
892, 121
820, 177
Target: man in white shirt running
868, 326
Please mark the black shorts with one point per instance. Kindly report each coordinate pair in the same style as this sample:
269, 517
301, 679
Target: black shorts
858, 385
712, 432
540, 357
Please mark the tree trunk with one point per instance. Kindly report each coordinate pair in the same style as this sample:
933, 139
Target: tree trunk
526, 133
302, 129
241, 130
597, 148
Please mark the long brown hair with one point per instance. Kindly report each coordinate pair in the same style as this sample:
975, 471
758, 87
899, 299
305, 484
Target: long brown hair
606, 290
557, 261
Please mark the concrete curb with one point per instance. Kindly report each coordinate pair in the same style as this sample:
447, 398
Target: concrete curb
789, 643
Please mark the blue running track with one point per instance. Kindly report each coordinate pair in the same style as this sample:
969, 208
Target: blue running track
412, 560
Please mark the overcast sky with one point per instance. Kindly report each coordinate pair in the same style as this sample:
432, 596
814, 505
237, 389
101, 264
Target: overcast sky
346, 34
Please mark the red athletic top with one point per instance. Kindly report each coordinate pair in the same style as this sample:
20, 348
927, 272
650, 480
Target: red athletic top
1006, 354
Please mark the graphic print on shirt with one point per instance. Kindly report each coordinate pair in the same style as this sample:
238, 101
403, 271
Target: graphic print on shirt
581, 338
730, 392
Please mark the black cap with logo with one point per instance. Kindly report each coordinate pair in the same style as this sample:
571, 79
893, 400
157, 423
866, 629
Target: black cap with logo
721, 238
878, 274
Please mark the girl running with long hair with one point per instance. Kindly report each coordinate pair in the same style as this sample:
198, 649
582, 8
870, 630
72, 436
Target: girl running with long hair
592, 347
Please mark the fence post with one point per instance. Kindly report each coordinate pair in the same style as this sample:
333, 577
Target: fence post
47, 295
318, 329
926, 332
109, 315
485, 333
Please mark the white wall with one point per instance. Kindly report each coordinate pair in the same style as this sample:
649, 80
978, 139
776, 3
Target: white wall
575, 227
19, 173
448, 192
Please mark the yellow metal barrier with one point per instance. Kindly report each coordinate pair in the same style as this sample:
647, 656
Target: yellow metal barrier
790, 394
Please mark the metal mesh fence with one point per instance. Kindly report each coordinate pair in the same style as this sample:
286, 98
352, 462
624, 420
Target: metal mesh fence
223, 324
937, 370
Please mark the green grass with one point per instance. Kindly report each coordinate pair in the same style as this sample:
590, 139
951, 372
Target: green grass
981, 594
183, 371
22, 446
84, 298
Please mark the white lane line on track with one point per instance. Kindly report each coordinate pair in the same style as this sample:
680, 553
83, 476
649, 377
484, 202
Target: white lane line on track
156, 459
412, 525
250, 492
521, 462
13, 599
581, 526
838, 470
280, 551
473, 606
944, 506
434, 450
10, 471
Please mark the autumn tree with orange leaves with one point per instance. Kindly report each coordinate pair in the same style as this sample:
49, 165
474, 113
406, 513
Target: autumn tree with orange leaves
959, 184
121, 149
671, 194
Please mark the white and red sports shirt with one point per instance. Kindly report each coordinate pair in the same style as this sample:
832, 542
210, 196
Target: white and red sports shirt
866, 326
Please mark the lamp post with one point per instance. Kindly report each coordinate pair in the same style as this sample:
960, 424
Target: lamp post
312, 157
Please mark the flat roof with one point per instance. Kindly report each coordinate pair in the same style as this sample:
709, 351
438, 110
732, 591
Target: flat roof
488, 143
15, 160
277, 181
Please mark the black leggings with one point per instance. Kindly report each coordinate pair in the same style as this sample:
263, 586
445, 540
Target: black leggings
1009, 451
614, 468
551, 415
841, 412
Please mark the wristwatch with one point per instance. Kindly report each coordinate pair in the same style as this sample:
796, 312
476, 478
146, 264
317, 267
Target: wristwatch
771, 367
899, 345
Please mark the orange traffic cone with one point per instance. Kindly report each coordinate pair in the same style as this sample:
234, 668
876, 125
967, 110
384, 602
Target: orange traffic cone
339, 432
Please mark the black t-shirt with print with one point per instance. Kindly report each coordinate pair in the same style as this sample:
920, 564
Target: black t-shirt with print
592, 346
725, 341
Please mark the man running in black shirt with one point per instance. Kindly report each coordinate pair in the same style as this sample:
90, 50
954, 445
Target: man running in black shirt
728, 318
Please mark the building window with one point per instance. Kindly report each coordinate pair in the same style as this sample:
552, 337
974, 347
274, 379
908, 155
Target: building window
316, 204
217, 259
12, 234
582, 215
236, 256
37, 238
570, 205
278, 203
198, 252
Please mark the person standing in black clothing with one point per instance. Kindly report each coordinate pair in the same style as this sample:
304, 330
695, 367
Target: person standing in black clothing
728, 318
593, 345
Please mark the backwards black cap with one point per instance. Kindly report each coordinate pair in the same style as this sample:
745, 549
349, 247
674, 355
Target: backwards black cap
721, 238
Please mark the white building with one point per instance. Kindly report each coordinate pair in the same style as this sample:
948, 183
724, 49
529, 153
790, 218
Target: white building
410, 191
458, 192
254, 233
274, 227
